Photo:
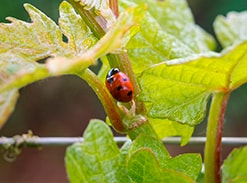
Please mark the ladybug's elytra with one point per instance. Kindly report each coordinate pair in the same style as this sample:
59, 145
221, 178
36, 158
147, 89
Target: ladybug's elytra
119, 85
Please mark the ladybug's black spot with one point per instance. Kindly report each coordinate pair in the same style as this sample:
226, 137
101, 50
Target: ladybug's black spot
129, 93
119, 87
125, 79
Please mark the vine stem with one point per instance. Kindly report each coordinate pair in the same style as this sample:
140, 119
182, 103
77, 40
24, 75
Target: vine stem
110, 106
114, 7
90, 19
213, 147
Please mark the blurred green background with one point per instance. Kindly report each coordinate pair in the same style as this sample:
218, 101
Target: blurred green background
63, 106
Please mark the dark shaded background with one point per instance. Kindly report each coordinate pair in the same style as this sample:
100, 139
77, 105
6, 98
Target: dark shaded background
63, 106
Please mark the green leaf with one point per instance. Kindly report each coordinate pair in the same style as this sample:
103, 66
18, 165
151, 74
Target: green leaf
183, 86
80, 38
153, 45
166, 128
35, 40
189, 164
175, 18
44, 37
7, 103
96, 159
121, 172
234, 169
155, 145
111, 42
144, 167
231, 29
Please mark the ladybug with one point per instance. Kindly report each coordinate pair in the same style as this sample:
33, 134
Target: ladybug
119, 85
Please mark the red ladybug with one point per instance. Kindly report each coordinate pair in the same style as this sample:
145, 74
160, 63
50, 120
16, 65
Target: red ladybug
119, 85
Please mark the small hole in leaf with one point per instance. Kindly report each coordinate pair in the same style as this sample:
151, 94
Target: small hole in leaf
65, 39
43, 60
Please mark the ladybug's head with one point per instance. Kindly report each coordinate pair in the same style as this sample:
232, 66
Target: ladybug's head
112, 72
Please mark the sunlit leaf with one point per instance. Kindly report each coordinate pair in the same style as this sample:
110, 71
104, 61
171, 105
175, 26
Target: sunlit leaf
144, 167
166, 128
175, 18
24, 43
179, 90
234, 169
80, 38
7, 103
152, 44
189, 164
231, 29
155, 145
96, 159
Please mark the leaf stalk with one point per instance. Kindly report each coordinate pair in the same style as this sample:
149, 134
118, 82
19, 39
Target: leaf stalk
109, 104
213, 147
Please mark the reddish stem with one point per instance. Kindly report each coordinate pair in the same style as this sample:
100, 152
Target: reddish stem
213, 147
218, 152
114, 7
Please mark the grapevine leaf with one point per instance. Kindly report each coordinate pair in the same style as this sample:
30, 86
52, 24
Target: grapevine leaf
79, 36
121, 172
144, 167
153, 45
96, 159
35, 40
167, 128
112, 42
189, 164
44, 37
182, 86
231, 29
23, 43
175, 18
155, 145
235, 166
7, 102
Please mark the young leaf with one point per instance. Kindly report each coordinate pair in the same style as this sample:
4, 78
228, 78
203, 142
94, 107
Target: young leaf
189, 164
235, 166
153, 45
7, 103
175, 18
166, 128
182, 86
155, 145
96, 159
79, 36
144, 167
44, 40
231, 29
160, 39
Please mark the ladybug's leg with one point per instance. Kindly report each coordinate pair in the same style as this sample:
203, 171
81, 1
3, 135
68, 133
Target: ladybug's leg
133, 107
131, 111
